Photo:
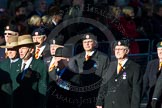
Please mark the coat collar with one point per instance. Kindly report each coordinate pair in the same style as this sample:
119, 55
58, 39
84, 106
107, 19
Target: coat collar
95, 54
125, 66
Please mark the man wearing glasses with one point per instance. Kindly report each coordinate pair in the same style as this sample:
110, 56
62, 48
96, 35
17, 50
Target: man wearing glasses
10, 30
121, 86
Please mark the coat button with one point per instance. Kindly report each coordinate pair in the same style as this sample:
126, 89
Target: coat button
114, 91
113, 102
116, 80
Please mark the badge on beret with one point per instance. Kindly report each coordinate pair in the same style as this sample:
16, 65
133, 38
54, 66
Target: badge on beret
36, 33
54, 42
161, 43
7, 27
87, 36
119, 43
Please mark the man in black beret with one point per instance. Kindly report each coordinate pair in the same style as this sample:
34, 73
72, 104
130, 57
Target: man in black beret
92, 66
42, 50
10, 30
61, 79
54, 44
152, 80
121, 86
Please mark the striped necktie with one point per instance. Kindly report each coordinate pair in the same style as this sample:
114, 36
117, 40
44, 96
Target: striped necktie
37, 53
51, 67
52, 64
119, 68
23, 67
160, 65
87, 57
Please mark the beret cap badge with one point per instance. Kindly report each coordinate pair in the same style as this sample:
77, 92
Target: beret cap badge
36, 33
54, 41
159, 44
119, 43
87, 36
7, 27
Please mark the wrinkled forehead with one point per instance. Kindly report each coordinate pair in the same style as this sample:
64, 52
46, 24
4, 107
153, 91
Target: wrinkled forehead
38, 36
159, 48
55, 45
9, 31
86, 40
12, 49
121, 46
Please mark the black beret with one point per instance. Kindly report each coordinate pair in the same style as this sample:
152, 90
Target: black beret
12, 27
39, 32
89, 36
159, 44
121, 43
56, 41
65, 51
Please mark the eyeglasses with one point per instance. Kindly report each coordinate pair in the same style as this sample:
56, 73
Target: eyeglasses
8, 34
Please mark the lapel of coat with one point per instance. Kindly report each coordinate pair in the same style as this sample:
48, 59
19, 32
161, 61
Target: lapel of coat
46, 51
156, 68
124, 68
81, 59
33, 63
156, 65
111, 70
17, 66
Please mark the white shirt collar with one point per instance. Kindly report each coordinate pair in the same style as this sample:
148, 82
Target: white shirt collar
14, 60
91, 53
41, 50
27, 63
54, 22
124, 61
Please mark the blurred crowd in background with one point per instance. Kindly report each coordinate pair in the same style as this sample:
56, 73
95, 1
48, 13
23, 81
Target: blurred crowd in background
131, 19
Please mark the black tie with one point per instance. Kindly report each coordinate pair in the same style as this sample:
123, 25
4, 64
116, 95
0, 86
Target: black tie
23, 67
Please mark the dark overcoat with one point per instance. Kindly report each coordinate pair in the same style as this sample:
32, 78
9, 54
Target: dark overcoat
158, 91
89, 77
32, 87
5, 84
149, 80
121, 90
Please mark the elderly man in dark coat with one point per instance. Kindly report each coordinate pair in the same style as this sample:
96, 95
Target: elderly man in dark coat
61, 80
121, 87
156, 79
151, 75
92, 65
